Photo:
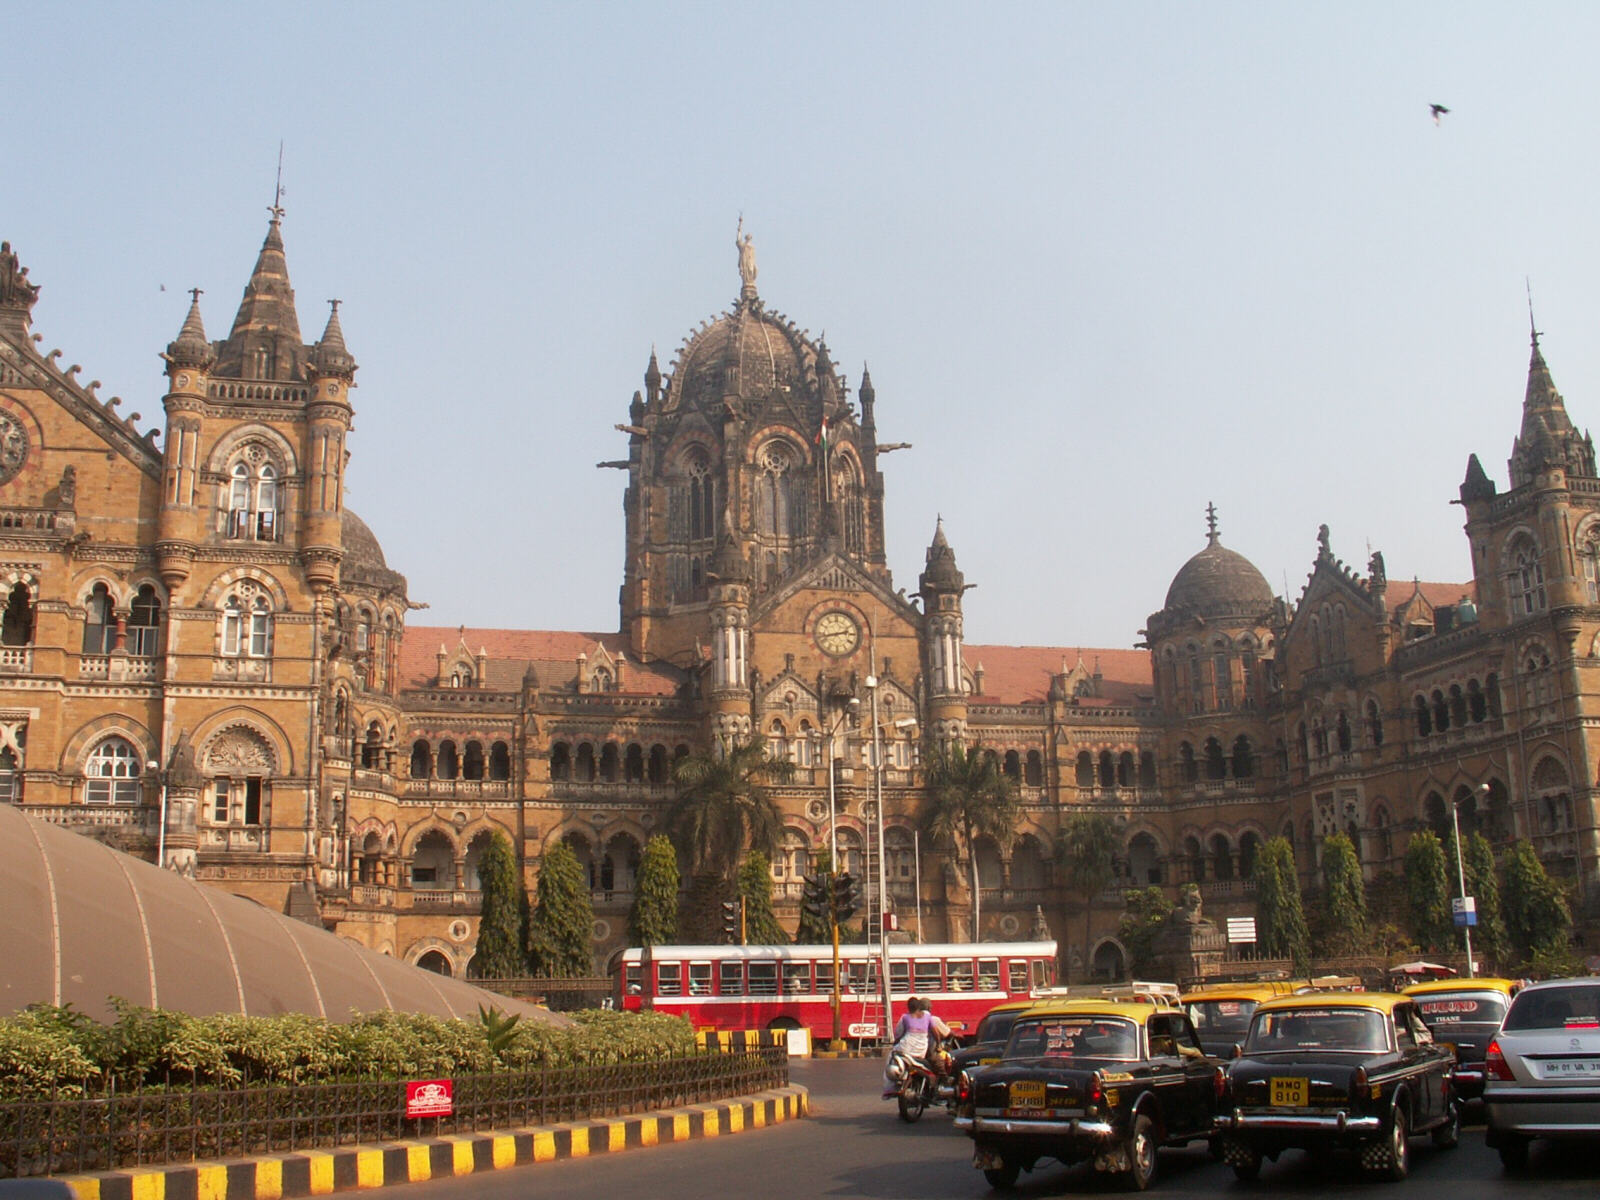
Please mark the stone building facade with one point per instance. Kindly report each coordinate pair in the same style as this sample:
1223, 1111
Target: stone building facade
205, 657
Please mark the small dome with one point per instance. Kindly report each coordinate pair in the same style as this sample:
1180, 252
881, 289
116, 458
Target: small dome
363, 560
1219, 582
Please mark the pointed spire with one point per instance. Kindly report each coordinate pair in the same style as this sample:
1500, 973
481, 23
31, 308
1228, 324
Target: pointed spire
1547, 438
868, 395
941, 573
265, 340
652, 377
191, 347
1213, 537
1477, 485
329, 356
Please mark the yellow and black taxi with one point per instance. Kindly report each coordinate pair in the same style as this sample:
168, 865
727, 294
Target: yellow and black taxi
1464, 1014
988, 1041
1318, 1071
1104, 1080
1221, 1012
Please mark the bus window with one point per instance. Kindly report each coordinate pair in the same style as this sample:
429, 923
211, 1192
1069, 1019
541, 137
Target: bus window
1041, 973
700, 979
796, 977
633, 980
824, 976
989, 974
861, 976
669, 979
763, 979
929, 975
730, 976
900, 976
1017, 975
958, 971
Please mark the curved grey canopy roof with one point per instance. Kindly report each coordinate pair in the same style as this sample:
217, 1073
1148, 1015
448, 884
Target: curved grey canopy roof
81, 922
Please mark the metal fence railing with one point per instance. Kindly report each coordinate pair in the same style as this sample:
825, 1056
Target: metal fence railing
108, 1130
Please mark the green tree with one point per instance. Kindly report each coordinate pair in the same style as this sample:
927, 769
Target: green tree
1147, 911
1538, 918
1483, 884
561, 928
1428, 892
761, 926
503, 925
969, 797
1280, 917
653, 919
723, 807
1344, 895
1086, 850
816, 931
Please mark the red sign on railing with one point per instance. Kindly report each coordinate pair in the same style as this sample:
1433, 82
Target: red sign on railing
429, 1098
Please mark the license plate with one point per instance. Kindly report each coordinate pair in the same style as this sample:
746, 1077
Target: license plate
1571, 1068
1027, 1093
1289, 1091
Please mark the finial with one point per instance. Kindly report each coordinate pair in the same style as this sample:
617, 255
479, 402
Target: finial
335, 304
276, 207
196, 293
1532, 328
1211, 524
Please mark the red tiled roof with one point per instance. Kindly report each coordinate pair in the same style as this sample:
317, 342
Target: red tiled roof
553, 655
1436, 594
1020, 674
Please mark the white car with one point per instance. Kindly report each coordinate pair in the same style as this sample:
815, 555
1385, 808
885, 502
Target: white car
1542, 1070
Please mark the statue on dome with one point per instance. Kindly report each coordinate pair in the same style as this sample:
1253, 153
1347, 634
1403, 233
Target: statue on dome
14, 285
747, 255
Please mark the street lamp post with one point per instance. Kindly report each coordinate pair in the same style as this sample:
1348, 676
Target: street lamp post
1461, 879
161, 815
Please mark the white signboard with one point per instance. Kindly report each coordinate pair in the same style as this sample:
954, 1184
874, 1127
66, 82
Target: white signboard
1241, 930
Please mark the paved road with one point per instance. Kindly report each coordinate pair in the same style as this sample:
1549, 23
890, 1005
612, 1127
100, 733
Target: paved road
854, 1146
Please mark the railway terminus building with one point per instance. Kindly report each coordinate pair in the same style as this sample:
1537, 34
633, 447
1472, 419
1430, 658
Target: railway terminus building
195, 625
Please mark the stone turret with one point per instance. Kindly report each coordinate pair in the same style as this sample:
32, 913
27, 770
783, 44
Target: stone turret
941, 586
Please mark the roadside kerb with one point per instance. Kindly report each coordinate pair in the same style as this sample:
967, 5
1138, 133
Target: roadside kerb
320, 1172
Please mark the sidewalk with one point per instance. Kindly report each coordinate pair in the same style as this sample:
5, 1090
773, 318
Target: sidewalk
319, 1172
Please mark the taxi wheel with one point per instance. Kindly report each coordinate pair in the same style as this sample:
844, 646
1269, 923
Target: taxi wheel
1448, 1135
1249, 1169
1141, 1155
1005, 1175
1399, 1165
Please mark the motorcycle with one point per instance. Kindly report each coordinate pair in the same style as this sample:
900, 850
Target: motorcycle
916, 1081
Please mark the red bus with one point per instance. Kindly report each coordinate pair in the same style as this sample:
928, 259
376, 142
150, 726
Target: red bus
791, 987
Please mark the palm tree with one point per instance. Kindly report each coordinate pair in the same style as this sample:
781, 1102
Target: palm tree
723, 807
1087, 851
969, 797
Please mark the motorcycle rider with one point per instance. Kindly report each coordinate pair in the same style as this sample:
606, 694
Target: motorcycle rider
914, 1034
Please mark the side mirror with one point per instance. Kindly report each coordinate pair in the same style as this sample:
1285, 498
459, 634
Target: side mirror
1237, 1051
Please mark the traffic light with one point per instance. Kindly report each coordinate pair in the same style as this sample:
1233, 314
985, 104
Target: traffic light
731, 921
814, 897
846, 896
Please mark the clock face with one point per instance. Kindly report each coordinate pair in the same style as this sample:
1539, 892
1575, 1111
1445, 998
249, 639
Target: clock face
837, 633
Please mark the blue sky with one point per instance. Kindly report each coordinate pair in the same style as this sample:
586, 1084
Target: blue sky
1107, 262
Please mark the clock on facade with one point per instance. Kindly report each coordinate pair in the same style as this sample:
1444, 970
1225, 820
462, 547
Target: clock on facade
836, 633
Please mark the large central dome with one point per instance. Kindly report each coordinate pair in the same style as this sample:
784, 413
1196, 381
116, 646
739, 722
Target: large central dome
747, 352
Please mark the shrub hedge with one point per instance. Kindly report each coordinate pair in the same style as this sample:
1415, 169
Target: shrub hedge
58, 1049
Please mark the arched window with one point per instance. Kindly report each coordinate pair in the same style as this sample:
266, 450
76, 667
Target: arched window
1195, 859
1221, 857
1374, 724
1589, 562
633, 763
1424, 716
112, 773
1458, 706
1125, 769
422, 760
1247, 669
1249, 845
1244, 758
561, 761
609, 759
1477, 704
449, 763
1147, 769
1033, 769
1224, 680
247, 622
254, 496
372, 746
1527, 578
1197, 683
1013, 765
1108, 770
702, 499
1144, 860
1216, 765
472, 760
10, 775
99, 622
585, 772
775, 491
499, 761
16, 623
1341, 732
433, 861
1441, 711
1085, 770
658, 764
144, 622
1188, 767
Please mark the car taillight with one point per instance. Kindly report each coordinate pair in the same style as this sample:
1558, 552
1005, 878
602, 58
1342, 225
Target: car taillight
964, 1088
1097, 1091
1494, 1064
1219, 1082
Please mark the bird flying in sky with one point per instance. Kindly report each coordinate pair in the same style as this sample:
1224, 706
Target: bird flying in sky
1438, 111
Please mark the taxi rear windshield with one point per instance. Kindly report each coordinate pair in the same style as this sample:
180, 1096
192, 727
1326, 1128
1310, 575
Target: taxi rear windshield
1576, 1007
1073, 1037
1221, 1016
1358, 1029
1461, 1008
996, 1027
